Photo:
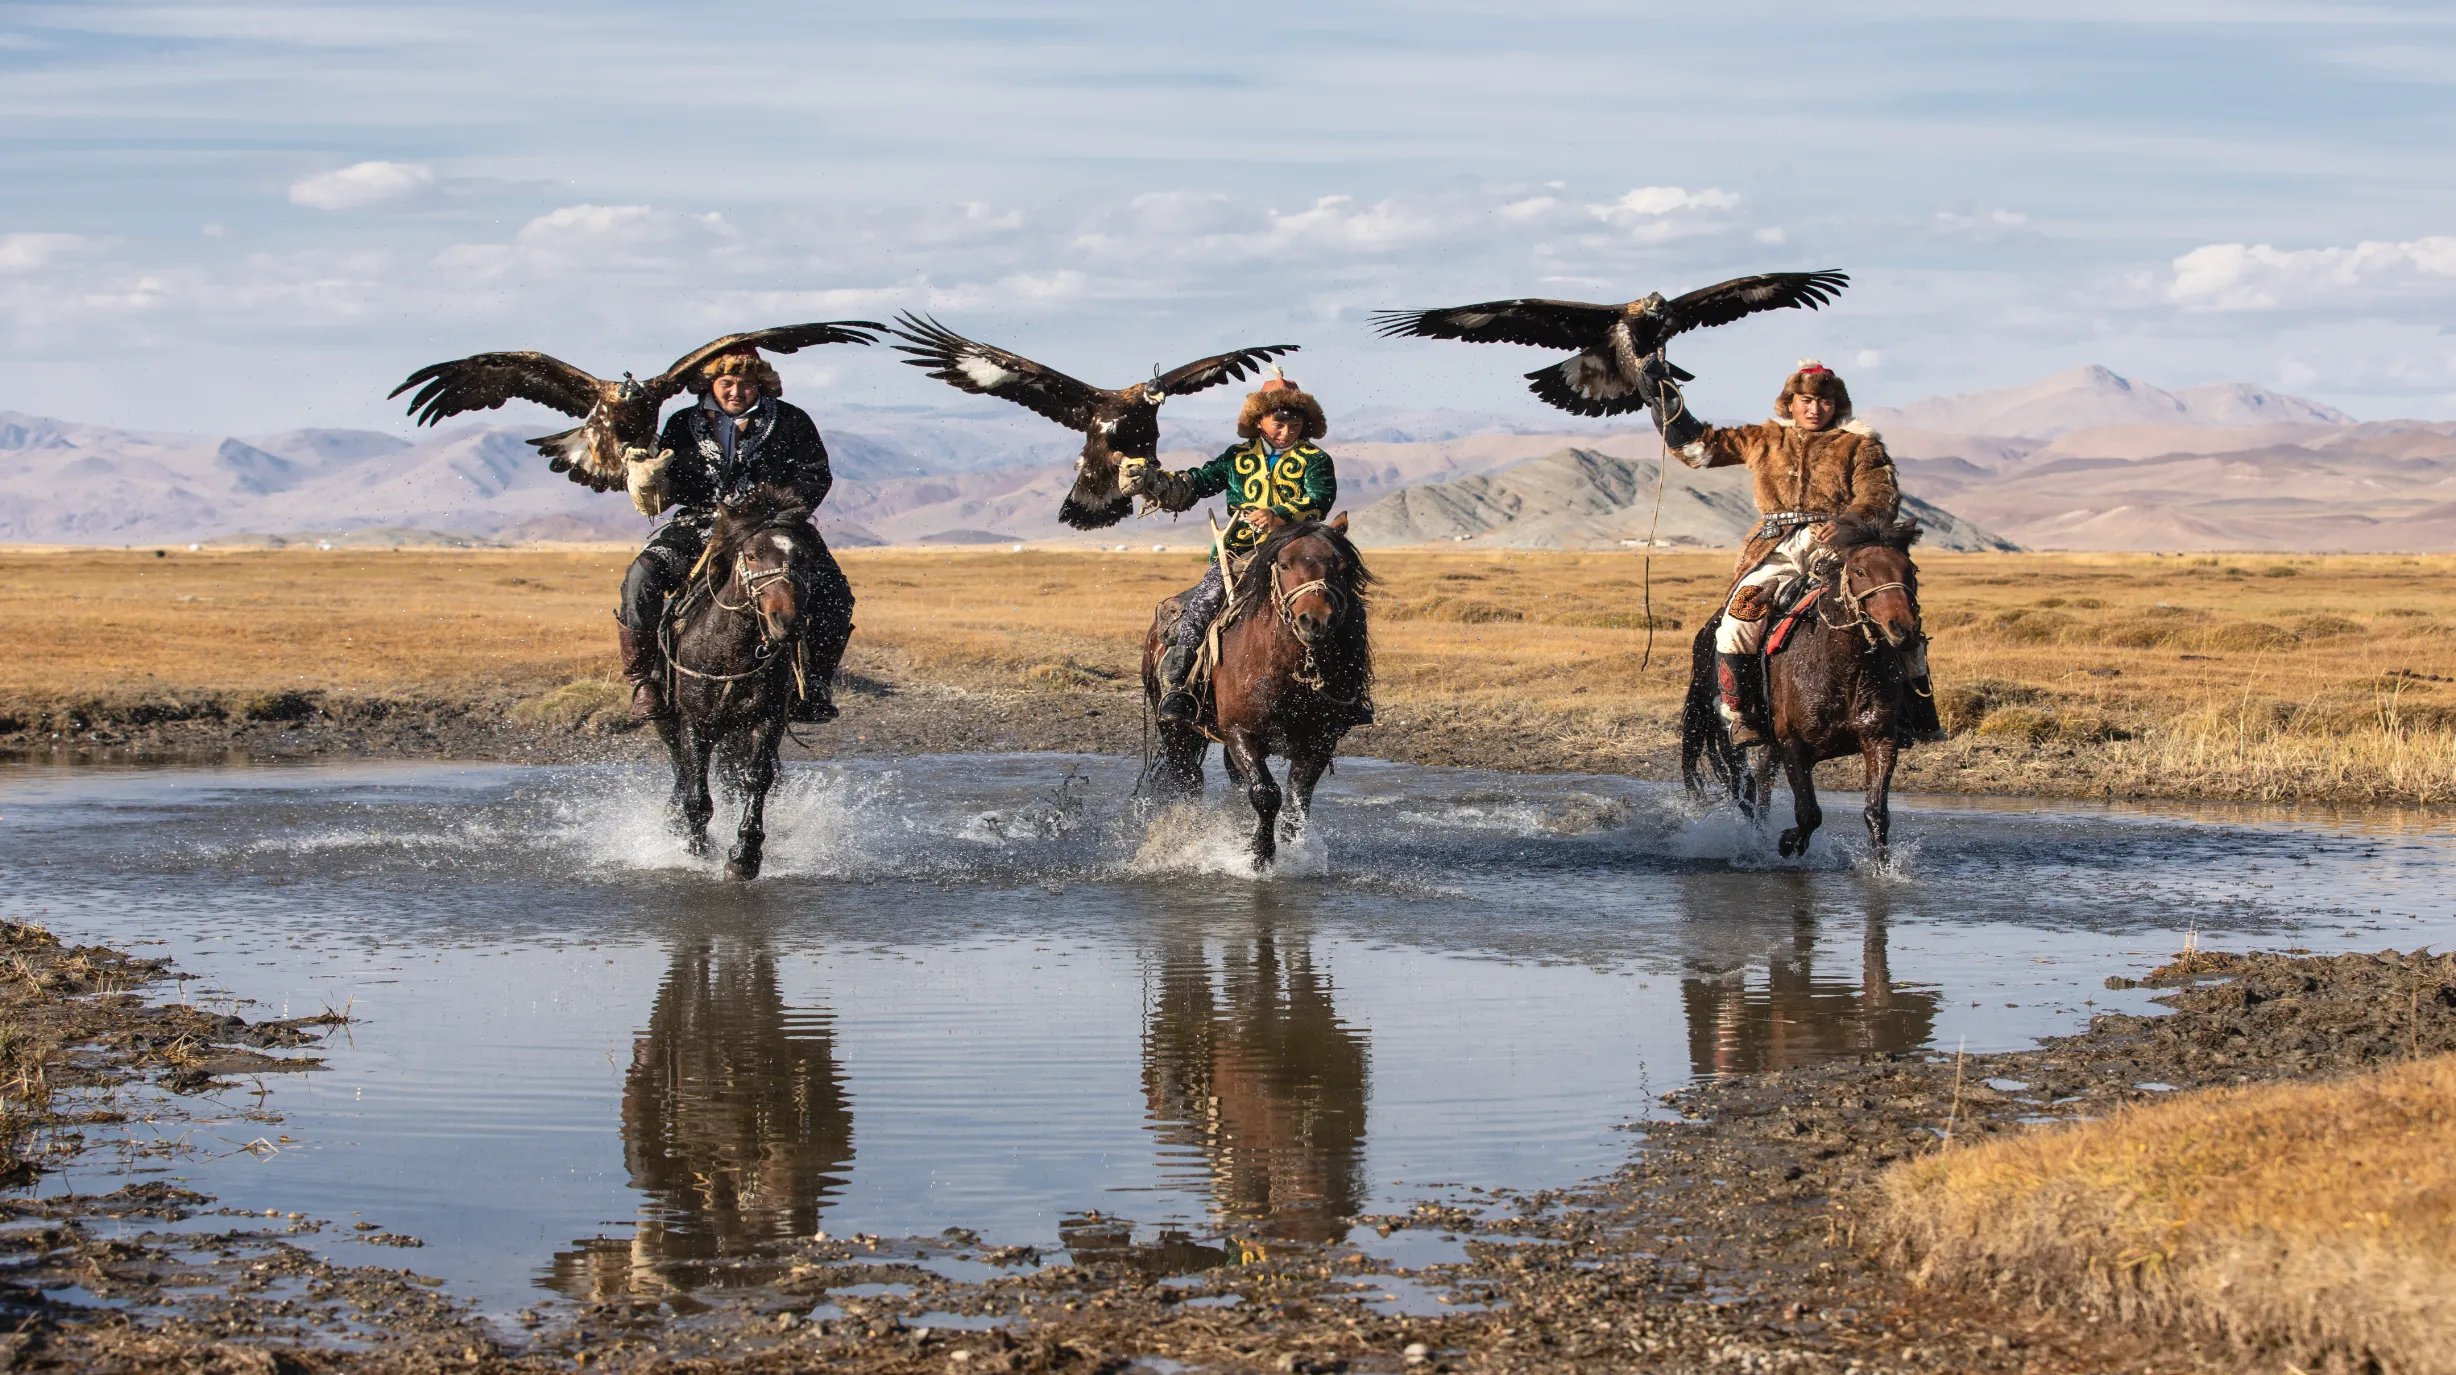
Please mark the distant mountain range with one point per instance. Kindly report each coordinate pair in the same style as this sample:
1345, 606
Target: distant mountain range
2085, 459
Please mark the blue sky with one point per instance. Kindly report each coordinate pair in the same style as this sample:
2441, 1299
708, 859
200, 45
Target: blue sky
234, 216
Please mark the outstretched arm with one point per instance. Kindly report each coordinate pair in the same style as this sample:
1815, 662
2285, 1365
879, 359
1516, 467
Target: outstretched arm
1177, 491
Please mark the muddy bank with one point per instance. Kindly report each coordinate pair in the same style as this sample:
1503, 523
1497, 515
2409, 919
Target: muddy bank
1732, 1241
583, 722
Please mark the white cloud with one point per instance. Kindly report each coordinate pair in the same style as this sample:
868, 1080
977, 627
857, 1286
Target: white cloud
28, 252
1980, 223
1647, 204
2234, 276
362, 185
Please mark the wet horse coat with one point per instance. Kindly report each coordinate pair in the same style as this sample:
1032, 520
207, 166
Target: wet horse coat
1294, 658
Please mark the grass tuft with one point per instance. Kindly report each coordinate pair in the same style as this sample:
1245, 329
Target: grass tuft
2316, 1220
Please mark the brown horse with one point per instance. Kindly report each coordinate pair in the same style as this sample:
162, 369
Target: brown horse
730, 640
1295, 659
1839, 686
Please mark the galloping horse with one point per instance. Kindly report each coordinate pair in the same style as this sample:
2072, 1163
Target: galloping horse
1837, 686
1294, 658
730, 640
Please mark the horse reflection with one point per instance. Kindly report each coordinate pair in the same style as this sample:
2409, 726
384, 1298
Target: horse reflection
736, 1130
1246, 1061
1797, 1018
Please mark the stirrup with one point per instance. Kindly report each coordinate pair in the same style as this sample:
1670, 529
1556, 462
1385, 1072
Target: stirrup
1179, 707
649, 704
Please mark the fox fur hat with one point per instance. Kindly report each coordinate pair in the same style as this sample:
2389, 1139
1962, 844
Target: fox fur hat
743, 362
1277, 393
1812, 378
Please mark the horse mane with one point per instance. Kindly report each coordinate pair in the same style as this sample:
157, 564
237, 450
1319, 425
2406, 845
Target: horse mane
761, 508
1253, 585
1855, 532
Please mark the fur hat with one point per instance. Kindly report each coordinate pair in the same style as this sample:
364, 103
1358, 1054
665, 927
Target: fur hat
742, 362
1277, 393
1812, 378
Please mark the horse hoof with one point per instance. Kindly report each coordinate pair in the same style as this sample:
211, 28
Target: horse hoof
741, 870
1793, 843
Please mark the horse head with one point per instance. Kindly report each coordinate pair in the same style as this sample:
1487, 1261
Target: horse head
757, 552
1876, 579
1312, 577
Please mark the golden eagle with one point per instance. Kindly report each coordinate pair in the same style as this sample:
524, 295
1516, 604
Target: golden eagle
1124, 423
1612, 342
614, 415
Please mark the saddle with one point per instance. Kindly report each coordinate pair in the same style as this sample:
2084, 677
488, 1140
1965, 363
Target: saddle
1793, 608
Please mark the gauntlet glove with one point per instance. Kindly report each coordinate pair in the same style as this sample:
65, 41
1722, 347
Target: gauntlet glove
644, 474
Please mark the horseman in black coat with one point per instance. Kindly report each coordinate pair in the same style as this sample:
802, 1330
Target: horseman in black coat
738, 436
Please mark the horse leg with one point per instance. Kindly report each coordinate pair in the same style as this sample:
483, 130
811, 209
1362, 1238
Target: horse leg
1245, 754
1881, 753
691, 784
1181, 752
758, 775
1305, 768
1806, 815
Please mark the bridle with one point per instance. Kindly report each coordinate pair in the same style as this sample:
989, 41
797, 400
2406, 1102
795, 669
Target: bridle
1856, 599
1283, 604
752, 582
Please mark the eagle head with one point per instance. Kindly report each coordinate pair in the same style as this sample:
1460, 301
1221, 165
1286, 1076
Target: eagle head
1153, 392
628, 390
1649, 303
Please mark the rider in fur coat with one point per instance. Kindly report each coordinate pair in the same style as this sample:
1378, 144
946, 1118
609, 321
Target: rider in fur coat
1275, 474
737, 437
1812, 464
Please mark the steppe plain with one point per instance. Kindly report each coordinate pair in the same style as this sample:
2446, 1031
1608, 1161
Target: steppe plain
2280, 678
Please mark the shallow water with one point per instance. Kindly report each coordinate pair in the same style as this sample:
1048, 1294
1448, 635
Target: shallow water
980, 992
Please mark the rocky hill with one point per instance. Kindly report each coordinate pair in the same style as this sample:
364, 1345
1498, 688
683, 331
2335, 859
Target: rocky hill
1581, 499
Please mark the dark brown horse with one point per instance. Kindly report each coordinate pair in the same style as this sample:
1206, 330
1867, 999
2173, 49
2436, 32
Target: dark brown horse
730, 640
1839, 686
1294, 660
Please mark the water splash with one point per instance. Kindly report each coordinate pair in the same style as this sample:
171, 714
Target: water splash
1217, 842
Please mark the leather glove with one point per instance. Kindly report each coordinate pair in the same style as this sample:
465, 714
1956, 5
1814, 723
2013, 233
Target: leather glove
644, 474
1166, 490
1134, 475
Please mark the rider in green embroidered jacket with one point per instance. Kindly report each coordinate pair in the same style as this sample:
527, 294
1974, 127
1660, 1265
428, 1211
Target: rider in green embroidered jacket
1276, 475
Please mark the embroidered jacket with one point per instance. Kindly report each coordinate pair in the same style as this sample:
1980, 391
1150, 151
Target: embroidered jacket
774, 443
1300, 484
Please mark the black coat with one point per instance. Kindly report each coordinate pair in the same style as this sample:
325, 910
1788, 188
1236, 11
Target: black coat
787, 454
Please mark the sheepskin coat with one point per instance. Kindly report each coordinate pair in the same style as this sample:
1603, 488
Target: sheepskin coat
1839, 471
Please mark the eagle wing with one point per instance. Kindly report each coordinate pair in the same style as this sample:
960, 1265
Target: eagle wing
780, 339
1218, 368
1587, 384
483, 381
1543, 324
1724, 302
985, 370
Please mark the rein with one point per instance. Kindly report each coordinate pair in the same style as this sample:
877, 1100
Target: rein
1283, 601
752, 583
1857, 601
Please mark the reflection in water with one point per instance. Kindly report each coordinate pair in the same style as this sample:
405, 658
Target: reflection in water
735, 1127
1797, 1018
1246, 1061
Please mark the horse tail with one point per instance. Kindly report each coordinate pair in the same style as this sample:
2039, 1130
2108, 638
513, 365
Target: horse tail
1704, 741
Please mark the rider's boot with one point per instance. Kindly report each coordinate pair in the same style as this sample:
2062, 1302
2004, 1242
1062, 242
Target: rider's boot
645, 667
1177, 702
1920, 724
1740, 678
822, 650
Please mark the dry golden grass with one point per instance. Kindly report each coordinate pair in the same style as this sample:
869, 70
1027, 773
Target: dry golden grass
2317, 1218
2254, 676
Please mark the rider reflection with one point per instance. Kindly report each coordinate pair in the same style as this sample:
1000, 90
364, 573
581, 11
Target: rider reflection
1797, 1018
1246, 1061
736, 1128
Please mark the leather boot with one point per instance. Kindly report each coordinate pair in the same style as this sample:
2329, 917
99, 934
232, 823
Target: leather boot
822, 651
645, 667
1741, 679
1177, 704
1920, 724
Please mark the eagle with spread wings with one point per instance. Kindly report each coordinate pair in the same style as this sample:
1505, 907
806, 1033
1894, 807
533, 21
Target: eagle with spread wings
1116, 424
614, 416
1611, 342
